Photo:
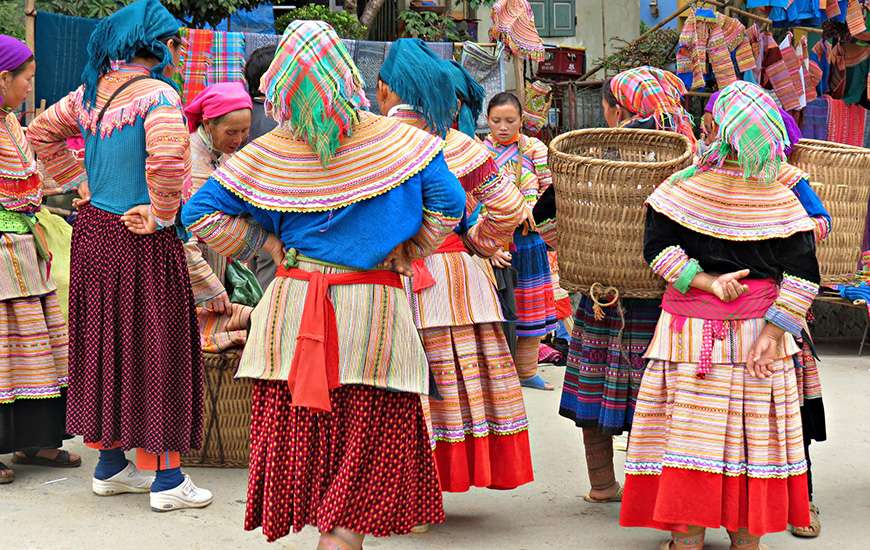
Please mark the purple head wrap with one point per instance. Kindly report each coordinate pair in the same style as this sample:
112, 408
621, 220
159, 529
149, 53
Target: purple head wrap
791, 126
13, 53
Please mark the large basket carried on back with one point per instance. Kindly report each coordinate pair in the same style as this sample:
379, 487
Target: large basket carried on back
602, 178
840, 175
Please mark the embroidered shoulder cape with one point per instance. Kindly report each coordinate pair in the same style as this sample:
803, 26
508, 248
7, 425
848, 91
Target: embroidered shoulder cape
20, 185
463, 154
721, 203
281, 173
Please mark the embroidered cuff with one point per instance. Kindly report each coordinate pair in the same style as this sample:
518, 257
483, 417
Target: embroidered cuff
823, 228
672, 264
789, 312
687, 275
161, 223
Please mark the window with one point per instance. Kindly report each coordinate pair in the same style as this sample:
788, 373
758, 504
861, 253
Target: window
554, 17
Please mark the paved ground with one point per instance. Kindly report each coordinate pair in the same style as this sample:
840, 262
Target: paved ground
55, 510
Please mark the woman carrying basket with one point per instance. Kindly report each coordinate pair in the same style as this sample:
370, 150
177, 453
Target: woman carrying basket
717, 438
605, 358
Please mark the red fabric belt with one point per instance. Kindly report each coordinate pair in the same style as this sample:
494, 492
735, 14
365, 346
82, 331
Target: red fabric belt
422, 278
314, 370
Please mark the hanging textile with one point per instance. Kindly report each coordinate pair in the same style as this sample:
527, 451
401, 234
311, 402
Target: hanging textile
846, 123
254, 41
513, 24
711, 37
538, 99
487, 68
815, 120
227, 58
61, 53
194, 64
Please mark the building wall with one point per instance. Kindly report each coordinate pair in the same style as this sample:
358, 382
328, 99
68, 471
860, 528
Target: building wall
665, 7
621, 18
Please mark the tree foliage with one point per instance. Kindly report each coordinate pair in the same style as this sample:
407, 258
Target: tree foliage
12, 18
431, 27
345, 24
194, 13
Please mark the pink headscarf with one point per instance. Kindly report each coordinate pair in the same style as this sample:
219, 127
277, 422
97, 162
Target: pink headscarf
216, 101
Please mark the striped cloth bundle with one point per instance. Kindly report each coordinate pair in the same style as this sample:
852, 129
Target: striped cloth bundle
228, 58
195, 62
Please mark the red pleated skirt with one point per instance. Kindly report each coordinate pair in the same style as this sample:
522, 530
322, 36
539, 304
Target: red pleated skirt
500, 462
366, 467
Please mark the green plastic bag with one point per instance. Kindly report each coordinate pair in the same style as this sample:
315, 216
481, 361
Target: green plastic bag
242, 285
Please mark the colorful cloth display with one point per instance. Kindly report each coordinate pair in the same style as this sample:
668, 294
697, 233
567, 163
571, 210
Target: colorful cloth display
537, 107
513, 24
487, 68
711, 37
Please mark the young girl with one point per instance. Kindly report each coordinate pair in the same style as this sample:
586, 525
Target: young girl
523, 160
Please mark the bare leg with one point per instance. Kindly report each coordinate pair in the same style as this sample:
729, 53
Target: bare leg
693, 539
340, 539
599, 464
742, 540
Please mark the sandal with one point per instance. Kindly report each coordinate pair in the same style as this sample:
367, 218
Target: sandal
8, 477
420, 529
813, 530
616, 498
332, 542
536, 383
61, 460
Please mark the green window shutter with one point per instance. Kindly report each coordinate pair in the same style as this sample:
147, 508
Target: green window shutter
541, 9
562, 20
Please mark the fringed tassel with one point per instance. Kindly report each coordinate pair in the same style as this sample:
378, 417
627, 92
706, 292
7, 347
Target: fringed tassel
482, 176
124, 115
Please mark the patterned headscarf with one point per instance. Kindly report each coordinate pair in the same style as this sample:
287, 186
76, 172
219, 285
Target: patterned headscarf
418, 76
471, 94
791, 125
313, 86
142, 24
750, 128
653, 93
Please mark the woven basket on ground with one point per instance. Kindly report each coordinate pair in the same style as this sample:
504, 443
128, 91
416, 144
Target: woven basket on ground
226, 415
840, 175
602, 178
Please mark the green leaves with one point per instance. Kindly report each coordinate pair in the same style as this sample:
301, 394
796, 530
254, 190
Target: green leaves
12, 18
345, 24
431, 27
194, 13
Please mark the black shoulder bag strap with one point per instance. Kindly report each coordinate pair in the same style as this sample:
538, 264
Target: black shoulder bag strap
115, 94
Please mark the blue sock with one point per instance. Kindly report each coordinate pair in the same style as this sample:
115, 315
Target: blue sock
167, 479
111, 462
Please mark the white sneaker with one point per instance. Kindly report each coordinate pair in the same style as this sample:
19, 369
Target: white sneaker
186, 495
128, 480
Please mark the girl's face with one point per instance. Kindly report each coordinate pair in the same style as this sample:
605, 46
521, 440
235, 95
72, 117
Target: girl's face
231, 131
504, 122
15, 88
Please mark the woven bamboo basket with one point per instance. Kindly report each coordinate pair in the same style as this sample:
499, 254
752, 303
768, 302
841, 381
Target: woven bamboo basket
840, 175
226, 415
601, 204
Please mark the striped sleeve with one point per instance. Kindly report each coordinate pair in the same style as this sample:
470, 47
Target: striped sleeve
205, 283
48, 134
167, 166
789, 312
216, 216
539, 157
674, 266
443, 205
504, 209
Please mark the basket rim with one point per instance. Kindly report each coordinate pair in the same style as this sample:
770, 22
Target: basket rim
687, 154
818, 145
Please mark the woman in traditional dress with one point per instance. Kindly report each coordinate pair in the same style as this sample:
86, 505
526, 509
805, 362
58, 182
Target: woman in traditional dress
717, 439
219, 120
605, 358
135, 361
806, 367
479, 422
343, 446
523, 160
34, 360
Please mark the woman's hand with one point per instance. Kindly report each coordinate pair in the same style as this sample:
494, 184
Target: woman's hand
728, 287
501, 258
140, 220
84, 195
528, 221
275, 248
220, 304
762, 354
399, 260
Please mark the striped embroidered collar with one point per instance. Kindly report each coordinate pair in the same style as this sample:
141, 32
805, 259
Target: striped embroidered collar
279, 172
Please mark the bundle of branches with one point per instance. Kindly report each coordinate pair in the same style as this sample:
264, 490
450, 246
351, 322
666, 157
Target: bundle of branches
657, 49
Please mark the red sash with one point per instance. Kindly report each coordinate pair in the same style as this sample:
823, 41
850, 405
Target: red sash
422, 278
314, 370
